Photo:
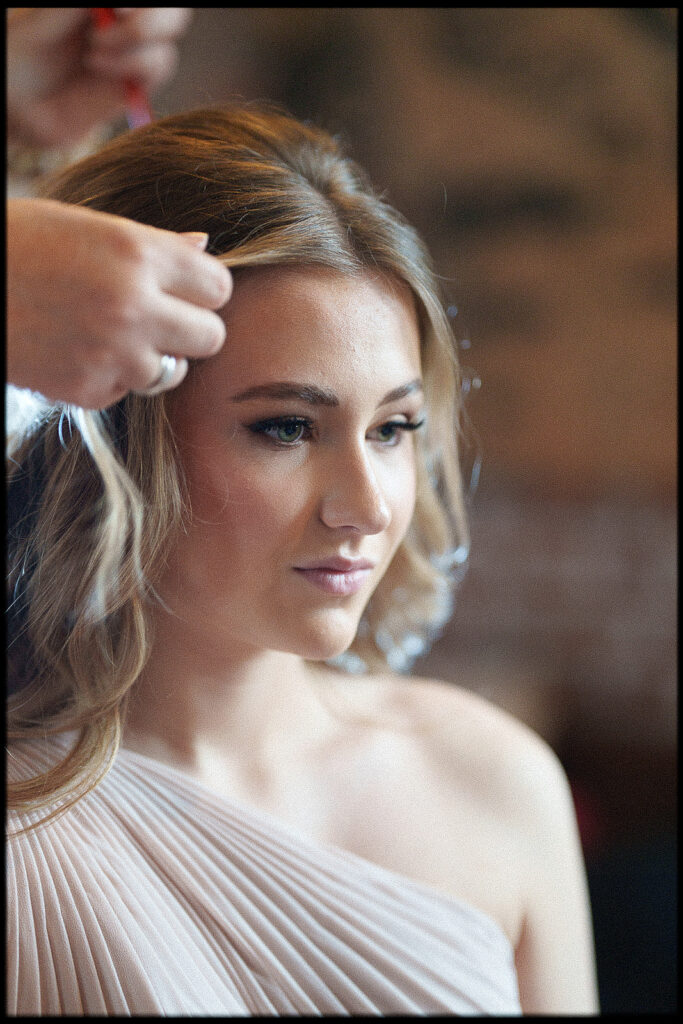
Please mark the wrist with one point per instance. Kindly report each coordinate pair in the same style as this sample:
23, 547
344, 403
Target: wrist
28, 157
27, 162
31, 162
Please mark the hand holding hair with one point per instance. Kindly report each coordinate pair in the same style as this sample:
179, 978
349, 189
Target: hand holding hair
94, 301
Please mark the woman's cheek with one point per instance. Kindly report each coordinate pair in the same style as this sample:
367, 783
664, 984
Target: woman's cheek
400, 491
254, 501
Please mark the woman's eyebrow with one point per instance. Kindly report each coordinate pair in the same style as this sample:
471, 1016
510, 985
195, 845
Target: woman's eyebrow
402, 392
314, 395
309, 393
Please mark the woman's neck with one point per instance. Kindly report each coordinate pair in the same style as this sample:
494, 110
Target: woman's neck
196, 694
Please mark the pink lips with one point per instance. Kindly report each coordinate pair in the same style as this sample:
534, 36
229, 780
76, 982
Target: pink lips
338, 576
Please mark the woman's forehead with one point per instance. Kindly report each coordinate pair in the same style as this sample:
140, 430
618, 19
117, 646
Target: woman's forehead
332, 292
301, 323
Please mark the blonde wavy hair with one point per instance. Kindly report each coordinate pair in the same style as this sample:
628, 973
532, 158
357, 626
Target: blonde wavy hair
95, 499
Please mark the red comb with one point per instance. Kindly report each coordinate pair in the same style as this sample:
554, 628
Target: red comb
138, 110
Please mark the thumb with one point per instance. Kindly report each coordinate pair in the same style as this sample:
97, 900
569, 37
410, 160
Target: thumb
200, 239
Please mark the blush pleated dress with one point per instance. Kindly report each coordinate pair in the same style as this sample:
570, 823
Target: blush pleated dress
154, 896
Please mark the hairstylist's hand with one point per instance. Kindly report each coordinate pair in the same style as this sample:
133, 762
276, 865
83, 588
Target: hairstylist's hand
94, 301
64, 77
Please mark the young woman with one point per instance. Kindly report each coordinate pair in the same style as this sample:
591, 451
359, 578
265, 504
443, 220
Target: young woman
224, 798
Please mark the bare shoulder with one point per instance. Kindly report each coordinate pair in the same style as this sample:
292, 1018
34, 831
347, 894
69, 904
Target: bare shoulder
509, 771
522, 782
470, 736
514, 847
468, 742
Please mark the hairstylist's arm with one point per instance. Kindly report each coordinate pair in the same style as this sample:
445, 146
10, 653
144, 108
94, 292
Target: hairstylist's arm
65, 77
94, 301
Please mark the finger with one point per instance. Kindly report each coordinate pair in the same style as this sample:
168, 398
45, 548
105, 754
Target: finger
199, 239
183, 330
150, 65
143, 25
81, 105
186, 273
147, 380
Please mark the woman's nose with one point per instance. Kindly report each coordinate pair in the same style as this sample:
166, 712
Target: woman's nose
354, 498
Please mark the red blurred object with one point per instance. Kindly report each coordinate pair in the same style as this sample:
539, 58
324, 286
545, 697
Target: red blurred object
138, 111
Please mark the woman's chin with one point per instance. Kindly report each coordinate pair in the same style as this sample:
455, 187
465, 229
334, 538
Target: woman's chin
323, 651
321, 645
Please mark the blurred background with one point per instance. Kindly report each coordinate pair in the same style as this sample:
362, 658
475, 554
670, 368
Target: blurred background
535, 149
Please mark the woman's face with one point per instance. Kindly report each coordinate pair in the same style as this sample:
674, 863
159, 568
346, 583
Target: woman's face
300, 469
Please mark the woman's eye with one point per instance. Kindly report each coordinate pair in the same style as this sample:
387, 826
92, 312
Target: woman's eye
288, 432
390, 433
283, 431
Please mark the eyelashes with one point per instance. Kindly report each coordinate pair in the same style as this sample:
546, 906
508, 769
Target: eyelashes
396, 428
289, 431
284, 430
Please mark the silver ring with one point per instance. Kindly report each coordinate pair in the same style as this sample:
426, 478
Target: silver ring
168, 368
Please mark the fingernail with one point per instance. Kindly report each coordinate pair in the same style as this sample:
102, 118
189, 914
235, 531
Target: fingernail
198, 238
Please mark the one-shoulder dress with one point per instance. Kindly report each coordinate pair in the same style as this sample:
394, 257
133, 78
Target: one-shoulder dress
154, 896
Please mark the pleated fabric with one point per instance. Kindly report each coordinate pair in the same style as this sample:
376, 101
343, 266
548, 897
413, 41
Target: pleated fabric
154, 896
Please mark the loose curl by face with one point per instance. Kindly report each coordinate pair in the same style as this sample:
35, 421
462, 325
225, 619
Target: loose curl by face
96, 498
